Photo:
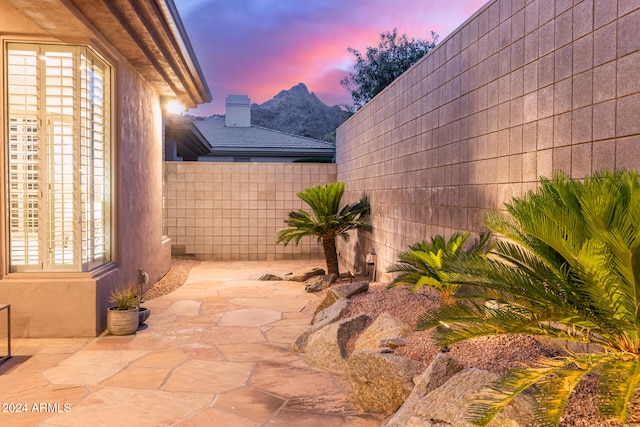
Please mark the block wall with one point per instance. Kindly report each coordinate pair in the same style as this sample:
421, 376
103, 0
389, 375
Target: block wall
232, 211
523, 88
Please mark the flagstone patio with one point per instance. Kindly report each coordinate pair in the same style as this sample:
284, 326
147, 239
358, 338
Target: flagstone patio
215, 352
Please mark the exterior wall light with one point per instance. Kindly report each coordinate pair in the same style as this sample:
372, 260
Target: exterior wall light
174, 107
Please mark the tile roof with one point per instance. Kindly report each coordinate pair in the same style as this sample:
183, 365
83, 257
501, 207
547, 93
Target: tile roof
244, 139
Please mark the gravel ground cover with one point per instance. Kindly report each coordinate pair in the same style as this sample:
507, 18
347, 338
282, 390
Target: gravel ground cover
171, 281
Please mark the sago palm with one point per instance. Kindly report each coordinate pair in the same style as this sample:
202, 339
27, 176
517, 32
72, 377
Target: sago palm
425, 262
568, 267
327, 221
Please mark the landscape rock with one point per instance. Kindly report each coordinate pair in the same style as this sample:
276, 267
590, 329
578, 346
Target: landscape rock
329, 299
300, 344
381, 382
318, 283
332, 313
393, 342
327, 347
384, 328
350, 289
341, 291
441, 369
449, 403
304, 274
269, 276
417, 422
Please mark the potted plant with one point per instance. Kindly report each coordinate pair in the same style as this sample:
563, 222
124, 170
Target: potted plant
122, 319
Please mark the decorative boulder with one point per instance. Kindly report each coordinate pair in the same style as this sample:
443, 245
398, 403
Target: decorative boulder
269, 276
327, 347
385, 327
393, 343
350, 289
449, 403
300, 344
342, 291
442, 368
332, 313
381, 382
304, 274
322, 318
318, 283
329, 299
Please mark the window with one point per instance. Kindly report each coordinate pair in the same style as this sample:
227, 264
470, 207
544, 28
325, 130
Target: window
59, 158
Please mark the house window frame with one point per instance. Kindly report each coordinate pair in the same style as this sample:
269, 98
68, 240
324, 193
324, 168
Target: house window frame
84, 119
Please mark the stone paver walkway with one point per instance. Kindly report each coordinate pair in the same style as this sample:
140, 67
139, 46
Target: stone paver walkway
213, 353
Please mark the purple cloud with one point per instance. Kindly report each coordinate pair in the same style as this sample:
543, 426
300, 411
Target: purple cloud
259, 47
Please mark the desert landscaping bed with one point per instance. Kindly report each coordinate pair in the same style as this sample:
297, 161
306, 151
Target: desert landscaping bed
496, 354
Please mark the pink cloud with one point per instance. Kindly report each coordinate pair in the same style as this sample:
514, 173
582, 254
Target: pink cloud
259, 47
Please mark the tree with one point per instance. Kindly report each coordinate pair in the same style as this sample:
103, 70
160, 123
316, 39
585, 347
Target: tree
327, 222
424, 264
568, 267
383, 64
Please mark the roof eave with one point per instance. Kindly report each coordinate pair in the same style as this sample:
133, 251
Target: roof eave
151, 36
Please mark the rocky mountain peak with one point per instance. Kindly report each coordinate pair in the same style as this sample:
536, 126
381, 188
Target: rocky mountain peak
299, 112
299, 88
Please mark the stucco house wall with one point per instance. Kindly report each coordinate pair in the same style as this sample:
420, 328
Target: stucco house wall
140, 241
520, 90
59, 304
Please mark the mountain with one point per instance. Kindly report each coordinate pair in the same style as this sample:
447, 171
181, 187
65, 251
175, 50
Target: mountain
299, 112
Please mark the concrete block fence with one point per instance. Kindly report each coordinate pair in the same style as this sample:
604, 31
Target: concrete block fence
232, 211
523, 88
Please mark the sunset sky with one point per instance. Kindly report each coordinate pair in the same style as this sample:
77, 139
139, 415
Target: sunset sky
260, 47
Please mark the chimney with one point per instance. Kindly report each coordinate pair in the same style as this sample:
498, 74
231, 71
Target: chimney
238, 111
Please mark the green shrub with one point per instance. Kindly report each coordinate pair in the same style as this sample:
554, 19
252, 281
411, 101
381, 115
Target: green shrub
567, 266
426, 263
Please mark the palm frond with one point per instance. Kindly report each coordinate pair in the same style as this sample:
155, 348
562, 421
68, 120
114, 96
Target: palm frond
552, 381
619, 385
499, 393
554, 390
300, 224
324, 200
458, 322
515, 285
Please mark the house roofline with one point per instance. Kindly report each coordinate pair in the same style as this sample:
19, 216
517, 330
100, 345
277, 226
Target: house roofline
297, 152
182, 38
151, 37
